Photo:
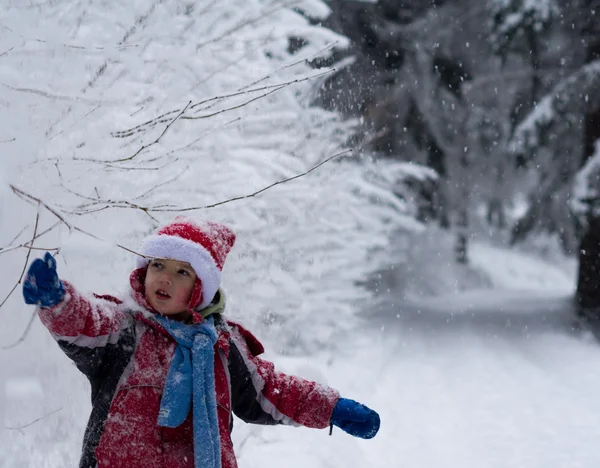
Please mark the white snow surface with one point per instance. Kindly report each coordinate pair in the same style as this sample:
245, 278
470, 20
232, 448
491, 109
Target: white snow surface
489, 377
486, 378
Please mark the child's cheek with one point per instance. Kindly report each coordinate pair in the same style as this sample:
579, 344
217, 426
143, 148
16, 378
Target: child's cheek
183, 297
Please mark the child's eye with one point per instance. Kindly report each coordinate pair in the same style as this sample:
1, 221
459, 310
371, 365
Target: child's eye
157, 265
184, 272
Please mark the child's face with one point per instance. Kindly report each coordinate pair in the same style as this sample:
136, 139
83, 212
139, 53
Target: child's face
169, 285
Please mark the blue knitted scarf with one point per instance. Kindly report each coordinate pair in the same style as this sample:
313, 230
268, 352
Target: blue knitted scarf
191, 383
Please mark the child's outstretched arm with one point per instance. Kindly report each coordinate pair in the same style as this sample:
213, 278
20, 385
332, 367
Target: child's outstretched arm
262, 395
75, 322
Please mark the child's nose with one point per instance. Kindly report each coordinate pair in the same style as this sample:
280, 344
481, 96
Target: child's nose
166, 278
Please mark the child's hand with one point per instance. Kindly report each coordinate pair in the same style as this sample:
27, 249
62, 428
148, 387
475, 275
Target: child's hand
42, 285
355, 419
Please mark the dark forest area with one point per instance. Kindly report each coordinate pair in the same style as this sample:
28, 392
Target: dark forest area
501, 98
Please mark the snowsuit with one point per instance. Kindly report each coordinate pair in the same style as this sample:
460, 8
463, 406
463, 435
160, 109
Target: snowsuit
126, 356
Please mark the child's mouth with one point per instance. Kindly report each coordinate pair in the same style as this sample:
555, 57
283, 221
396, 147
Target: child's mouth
162, 294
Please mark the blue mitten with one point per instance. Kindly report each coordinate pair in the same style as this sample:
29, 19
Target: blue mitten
42, 285
355, 419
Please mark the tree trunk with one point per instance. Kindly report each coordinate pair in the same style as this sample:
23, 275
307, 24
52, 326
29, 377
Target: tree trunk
462, 234
588, 280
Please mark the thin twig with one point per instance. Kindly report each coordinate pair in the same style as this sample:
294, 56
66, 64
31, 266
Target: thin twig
69, 46
71, 227
249, 22
109, 204
263, 88
6, 51
191, 143
263, 189
54, 97
118, 245
7, 141
23, 194
297, 62
37, 221
18, 235
162, 118
25, 332
20, 428
139, 168
77, 122
147, 210
26, 244
80, 195
162, 184
9, 294
143, 147
239, 106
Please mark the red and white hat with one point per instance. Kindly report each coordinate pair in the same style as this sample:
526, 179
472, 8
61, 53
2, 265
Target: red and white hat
204, 245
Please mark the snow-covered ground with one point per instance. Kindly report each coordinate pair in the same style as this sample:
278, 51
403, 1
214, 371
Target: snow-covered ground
490, 377
469, 366
487, 378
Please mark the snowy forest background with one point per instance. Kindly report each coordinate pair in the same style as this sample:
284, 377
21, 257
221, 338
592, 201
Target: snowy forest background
460, 144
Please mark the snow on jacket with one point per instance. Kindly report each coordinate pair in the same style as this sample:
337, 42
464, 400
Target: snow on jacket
126, 357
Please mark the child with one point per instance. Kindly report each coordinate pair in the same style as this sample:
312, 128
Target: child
167, 370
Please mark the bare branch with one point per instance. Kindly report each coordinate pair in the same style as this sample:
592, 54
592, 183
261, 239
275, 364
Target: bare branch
18, 235
122, 168
158, 139
27, 244
263, 88
143, 147
191, 143
53, 97
30, 198
7, 141
37, 220
162, 118
9, 294
242, 25
77, 121
263, 189
239, 106
6, 27
20, 428
118, 245
152, 189
25, 332
127, 204
6, 51
150, 123
67, 46
297, 62
109, 204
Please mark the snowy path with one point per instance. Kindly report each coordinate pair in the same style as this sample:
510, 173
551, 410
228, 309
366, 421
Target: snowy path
479, 390
489, 378
494, 378
459, 391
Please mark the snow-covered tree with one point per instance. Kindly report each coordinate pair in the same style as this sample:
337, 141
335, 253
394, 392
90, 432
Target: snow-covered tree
552, 135
558, 135
119, 116
518, 25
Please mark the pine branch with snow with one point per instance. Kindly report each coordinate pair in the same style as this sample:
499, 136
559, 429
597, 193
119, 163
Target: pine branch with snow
561, 108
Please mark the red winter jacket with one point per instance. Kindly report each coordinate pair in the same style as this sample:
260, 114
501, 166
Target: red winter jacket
126, 357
